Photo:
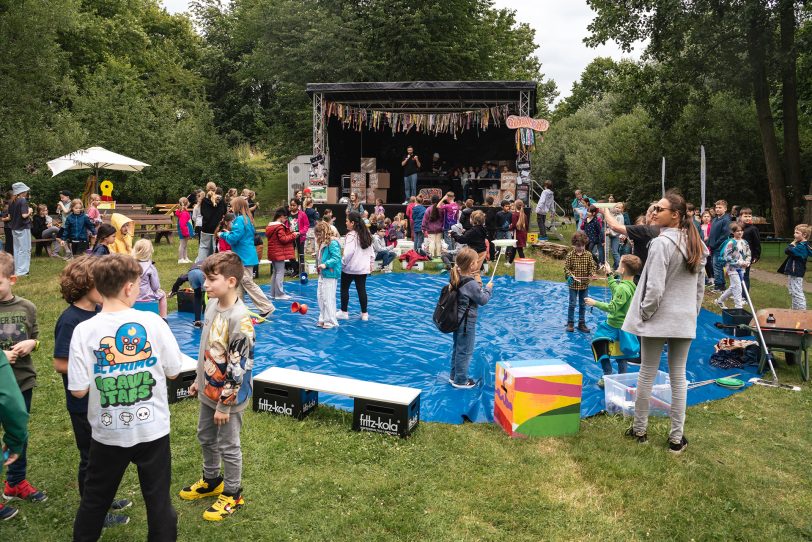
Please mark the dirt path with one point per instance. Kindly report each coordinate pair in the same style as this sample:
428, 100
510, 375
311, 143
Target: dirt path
775, 278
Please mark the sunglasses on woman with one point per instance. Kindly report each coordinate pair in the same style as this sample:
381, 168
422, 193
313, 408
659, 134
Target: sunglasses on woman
658, 209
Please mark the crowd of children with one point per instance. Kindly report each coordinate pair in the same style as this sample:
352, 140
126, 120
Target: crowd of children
114, 427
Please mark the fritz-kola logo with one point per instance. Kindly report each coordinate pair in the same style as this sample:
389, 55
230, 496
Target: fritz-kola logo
413, 421
276, 408
383, 426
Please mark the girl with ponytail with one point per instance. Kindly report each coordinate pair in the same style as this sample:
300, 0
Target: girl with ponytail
664, 309
464, 277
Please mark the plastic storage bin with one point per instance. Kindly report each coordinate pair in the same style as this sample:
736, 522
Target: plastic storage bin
620, 392
525, 269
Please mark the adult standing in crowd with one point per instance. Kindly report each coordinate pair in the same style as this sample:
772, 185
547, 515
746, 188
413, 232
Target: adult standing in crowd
664, 309
357, 263
20, 223
411, 165
354, 206
720, 232
640, 234
212, 209
545, 205
241, 240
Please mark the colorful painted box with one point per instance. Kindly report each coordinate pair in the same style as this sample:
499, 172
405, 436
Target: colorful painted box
537, 398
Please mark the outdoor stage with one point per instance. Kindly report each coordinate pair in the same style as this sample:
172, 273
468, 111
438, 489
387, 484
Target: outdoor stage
400, 345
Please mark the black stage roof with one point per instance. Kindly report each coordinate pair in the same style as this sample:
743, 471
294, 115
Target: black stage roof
427, 96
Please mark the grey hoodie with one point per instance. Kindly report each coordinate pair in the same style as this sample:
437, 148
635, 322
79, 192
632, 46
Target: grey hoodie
668, 297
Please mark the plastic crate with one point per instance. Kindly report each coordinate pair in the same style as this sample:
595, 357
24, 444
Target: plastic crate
736, 317
620, 392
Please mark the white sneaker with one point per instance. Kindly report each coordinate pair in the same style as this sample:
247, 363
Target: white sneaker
180, 261
341, 315
364, 316
720, 303
283, 297
406, 202
508, 264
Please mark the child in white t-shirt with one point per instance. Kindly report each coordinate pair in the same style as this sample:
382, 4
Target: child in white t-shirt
120, 359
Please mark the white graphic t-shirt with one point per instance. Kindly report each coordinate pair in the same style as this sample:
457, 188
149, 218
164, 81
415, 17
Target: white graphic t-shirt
123, 358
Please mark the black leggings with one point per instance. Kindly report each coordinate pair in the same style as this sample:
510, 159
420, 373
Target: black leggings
360, 286
511, 253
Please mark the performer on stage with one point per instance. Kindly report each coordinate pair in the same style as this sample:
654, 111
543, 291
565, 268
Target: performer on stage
411, 164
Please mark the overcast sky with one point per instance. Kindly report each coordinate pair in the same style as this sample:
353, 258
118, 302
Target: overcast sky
560, 27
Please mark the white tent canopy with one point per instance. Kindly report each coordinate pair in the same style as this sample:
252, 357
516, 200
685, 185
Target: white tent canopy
95, 158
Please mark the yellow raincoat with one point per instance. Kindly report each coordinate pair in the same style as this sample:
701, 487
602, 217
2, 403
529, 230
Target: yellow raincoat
123, 243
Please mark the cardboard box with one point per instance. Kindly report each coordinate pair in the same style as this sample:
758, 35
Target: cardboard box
379, 180
508, 181
538, 397
358, 180
369, 165
373, 195
333, 194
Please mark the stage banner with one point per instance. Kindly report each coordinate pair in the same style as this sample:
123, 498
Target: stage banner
318, 190
537, 125
429, 192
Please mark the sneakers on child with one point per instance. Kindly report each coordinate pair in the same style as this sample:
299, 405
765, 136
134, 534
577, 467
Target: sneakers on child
641, 438
341, 315
114, 520
224, 506
268, 313
198, 323
470, 383
120, 504
24, 492
678, 447
364, 316
202, 488
7, 512
720, 303
328, 325
283, 297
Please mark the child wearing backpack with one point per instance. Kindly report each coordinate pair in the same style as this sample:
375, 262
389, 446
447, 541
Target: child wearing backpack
470, 294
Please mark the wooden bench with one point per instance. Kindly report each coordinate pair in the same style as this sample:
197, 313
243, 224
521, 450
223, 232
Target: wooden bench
157, 225
379, 408
178, 388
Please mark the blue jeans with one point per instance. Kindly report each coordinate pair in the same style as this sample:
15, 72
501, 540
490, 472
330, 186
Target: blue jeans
614, 246
15, 473
622, 366
461, 354
410, 185
206, 247
718, 271
386, 257
418, 240
597, 252
578, 295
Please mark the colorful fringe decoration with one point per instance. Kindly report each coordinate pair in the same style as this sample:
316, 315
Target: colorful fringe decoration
430, 123
526, 140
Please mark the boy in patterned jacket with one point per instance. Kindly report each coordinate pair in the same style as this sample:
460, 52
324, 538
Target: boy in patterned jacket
579, 267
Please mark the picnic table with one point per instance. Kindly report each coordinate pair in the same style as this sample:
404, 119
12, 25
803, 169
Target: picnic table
146, 224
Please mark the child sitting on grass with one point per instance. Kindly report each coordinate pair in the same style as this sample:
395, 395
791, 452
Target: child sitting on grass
794, 267
150, 285
79, 291
464, 277
120, 360
736, 253
611, 342
225, 362
579, 267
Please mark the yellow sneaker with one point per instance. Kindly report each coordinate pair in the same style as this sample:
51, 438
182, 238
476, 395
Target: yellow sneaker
201, 489
223, 507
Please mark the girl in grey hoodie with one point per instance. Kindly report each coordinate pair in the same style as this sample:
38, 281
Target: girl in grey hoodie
664, 309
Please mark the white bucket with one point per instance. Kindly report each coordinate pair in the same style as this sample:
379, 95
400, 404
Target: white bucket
525, 268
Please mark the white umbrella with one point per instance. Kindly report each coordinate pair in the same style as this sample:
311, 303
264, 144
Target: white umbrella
94, 158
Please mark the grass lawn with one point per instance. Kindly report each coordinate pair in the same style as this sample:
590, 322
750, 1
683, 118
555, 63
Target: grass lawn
745, 475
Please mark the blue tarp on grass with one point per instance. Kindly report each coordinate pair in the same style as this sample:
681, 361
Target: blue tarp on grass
399, 344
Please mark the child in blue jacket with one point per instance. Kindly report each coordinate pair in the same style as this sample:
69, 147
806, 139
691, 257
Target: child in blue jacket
76, 228
794, 266
328, 260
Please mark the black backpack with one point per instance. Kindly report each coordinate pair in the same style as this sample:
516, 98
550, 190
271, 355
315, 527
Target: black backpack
445, 313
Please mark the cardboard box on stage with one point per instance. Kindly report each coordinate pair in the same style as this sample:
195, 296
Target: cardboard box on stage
369, 165
333, 194
178, 388
508, 182
373, 195
358, 180
379, 180
539, 397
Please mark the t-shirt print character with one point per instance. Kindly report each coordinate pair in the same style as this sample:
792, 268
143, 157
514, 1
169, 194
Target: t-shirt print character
227, 359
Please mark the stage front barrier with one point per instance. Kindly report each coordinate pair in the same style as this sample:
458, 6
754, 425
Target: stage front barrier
378, 408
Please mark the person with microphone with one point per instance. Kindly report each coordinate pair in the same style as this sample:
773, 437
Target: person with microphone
411, 165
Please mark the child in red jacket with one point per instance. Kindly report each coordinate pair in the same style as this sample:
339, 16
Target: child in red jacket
280, 248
